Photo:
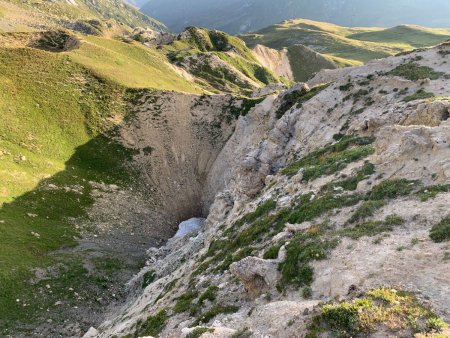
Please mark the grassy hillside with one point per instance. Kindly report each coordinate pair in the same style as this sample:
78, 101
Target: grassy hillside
60, 111
132, 65
56, 136
305, 62
349, 45
405, 36
87, 16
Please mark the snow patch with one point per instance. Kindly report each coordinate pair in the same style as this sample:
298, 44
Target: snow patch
189, 226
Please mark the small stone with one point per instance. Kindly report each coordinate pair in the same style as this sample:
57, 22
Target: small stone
48, 286
306, 312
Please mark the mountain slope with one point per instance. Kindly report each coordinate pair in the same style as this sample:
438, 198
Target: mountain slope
341, 46
75, 186
344, 42
86, 16
222, 61
235, 16
83, 169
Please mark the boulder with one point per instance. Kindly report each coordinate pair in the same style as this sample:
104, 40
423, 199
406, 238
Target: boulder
429, 114
256, 274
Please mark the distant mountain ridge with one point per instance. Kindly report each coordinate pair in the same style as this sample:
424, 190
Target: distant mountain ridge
240, 16
338, 45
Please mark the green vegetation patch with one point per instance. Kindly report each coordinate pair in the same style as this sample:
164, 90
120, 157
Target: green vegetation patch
297, 98
441, 232
149, 278
413, 72
244, 333
432, 191
302, 249
332, 158
351, 183
198, 332
393, 310
419, 95
366, 209
272, 252
238, 242
184, 302
153, 326
209, 294
390, 189
213, 312
372, 228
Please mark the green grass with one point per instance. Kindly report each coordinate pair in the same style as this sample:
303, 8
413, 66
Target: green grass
184, 302
413, 72
372, 228
262, 209
198, 332
406, 35
209, 294
238, 244
328, 39
303, 249
305, 62
432, 191
441, 232
250, 68
351, 183
101, 15
243, 333
213, 312
376, 198
272, 252
385, 309
131, 65
366, 209
419, 95
390, 189
58, 115
331, 159
153, 326
308, 209
149, 278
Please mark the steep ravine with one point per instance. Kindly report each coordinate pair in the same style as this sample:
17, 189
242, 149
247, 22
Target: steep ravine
337, 195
